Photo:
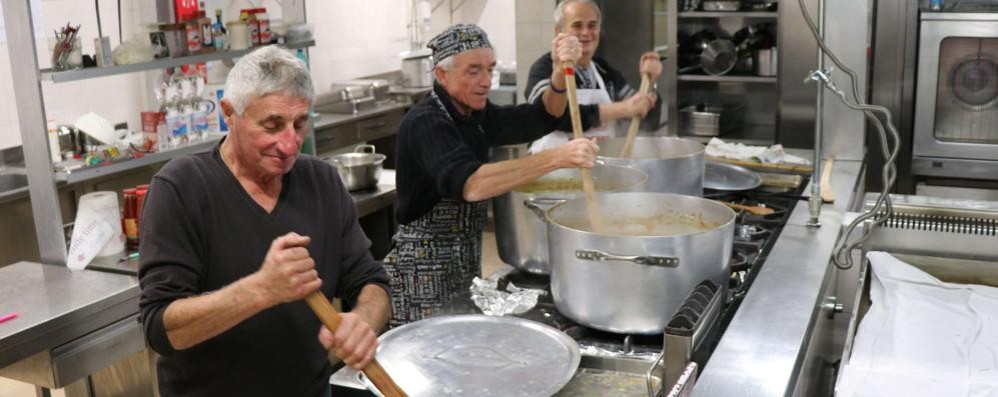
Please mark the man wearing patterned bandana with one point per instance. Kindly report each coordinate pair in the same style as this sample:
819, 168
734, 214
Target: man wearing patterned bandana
601, 89
443, 174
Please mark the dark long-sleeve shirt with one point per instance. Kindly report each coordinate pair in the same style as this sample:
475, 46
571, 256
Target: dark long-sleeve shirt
438, 149
202, 231
616, 86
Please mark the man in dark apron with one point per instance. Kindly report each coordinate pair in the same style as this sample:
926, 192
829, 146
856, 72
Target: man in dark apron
443, 177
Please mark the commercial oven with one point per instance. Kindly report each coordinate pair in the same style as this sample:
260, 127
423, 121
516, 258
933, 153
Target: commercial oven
956, 105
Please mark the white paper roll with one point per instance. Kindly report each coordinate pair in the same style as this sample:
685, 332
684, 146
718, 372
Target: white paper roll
97, 229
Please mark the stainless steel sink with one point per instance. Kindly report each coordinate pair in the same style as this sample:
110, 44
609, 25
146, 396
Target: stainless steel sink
12, 181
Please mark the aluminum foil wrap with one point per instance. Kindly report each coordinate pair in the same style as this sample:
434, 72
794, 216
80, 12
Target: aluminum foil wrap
493, 302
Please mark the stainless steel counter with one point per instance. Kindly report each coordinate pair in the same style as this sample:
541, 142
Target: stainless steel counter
762, 351
56, 305
329, 120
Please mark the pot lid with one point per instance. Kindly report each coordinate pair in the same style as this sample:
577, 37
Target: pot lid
478, 355
729, 177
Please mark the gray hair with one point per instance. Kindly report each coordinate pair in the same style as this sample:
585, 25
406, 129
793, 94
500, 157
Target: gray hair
265, 71
559, 12
447, 64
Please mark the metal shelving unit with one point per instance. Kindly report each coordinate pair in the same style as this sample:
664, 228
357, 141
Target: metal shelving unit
756, 92
729, 14
88, 173
726, 78
30, 105
58, 76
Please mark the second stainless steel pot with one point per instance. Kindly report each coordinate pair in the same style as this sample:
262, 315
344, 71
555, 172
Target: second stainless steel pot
673, 165
521, 236
632, 277
360, 169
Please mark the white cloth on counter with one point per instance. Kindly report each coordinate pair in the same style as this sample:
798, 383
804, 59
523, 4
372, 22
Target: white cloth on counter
923, 337
740, 151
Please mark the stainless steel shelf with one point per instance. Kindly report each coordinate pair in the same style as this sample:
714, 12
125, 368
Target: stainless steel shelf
729, 14
726, 78
56, 76
84, 174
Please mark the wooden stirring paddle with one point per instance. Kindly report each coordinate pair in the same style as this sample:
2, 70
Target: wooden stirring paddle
374, 371
587, 176
632, 130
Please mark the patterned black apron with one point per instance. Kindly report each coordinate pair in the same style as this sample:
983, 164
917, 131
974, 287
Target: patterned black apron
435, 257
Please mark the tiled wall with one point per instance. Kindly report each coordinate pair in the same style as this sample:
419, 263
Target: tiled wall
355, 39
534, 33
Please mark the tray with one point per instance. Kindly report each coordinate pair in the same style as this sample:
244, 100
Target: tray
478, 355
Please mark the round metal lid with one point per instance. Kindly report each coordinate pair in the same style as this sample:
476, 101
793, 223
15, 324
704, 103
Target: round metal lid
478, 355
729, 177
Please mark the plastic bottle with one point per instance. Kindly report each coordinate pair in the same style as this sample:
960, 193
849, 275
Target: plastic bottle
218, 33
936, 5
253, 26
263, 22
193, 29
207, 37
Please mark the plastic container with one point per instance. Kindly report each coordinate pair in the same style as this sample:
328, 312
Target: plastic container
193, 29
263, 22
176, 38
238, 35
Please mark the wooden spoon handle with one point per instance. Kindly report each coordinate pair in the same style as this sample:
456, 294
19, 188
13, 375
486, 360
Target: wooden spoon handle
374, 371
753, 209
587, 177
632, 129
827, 194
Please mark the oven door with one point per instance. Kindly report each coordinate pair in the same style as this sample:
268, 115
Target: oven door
957, 103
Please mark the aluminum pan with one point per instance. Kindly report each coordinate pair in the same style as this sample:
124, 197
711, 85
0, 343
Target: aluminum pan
478, 355
729, 177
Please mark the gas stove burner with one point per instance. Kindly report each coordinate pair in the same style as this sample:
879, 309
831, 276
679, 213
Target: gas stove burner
524, 279
629, 343
750, 232
740, 258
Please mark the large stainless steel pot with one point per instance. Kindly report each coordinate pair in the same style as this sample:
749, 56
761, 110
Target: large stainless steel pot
673, 165
655, 249
521, 236
360, 169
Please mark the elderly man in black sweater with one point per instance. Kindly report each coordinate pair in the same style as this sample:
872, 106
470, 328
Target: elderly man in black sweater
443, 174
234, 238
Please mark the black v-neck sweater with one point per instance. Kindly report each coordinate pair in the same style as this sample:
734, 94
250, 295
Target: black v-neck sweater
202, 231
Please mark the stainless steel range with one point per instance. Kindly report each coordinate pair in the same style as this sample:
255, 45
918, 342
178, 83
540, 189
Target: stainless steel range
637, 364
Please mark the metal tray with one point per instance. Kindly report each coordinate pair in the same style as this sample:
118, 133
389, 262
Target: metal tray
478, 355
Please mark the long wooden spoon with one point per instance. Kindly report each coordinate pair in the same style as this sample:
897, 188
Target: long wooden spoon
374, 371
632, 130
752, 209
587, 176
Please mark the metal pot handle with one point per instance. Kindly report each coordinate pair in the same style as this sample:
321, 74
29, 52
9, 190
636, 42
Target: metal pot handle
660, 261
363, 149
541, 205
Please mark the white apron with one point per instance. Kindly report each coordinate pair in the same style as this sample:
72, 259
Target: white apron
588, 96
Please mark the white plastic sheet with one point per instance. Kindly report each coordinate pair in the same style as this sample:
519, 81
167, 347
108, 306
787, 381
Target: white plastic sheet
923, 337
